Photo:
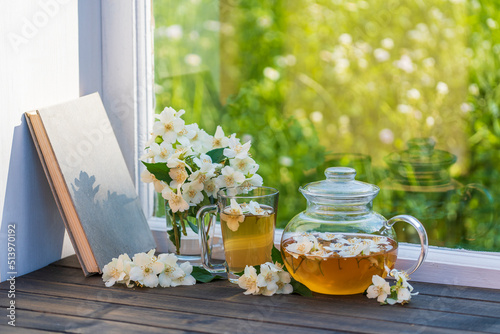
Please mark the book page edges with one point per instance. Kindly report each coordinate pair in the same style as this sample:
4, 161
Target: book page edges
61, 194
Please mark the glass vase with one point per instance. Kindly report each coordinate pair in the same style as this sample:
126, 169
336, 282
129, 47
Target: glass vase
183, 234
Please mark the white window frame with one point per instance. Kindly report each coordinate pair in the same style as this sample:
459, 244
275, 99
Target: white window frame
131, 52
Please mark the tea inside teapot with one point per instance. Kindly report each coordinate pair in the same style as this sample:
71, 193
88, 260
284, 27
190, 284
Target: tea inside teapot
339, 264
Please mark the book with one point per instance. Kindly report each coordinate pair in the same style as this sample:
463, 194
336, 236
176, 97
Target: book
90, 181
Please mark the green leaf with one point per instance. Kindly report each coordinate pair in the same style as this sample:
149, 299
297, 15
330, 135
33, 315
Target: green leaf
204, 276
193, 225
159, 170
276, 257
217, 155
300, 288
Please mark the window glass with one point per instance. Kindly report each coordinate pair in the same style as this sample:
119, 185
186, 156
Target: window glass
406, 92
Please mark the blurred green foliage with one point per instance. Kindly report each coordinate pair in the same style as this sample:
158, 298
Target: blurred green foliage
305, 78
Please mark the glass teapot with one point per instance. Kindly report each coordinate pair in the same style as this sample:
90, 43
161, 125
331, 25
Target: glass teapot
338, 243
420, 184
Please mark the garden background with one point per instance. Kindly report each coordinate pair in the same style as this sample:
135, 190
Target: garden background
312, 81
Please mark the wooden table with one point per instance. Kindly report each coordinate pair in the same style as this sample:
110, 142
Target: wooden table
59, 298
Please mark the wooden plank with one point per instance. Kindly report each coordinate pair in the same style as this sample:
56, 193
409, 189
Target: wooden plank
20, 330
453, 291
306, 312
222, 291
69, 261
64, 323
137, 315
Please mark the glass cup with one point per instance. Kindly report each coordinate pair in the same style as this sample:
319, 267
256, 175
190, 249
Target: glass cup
247, 219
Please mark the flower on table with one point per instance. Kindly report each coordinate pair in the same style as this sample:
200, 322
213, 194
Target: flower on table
380, 289
117, 271
233, 215
272, 279
145, 269
400, 293
267, 279
248, 281
173, 274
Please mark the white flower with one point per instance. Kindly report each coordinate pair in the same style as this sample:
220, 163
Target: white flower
219, 140
303, 245
246, 165
117, 271
233, 216
253, 181
362, 247
229, 178
171, 271
248, 281
185, 278
176, 160
284, 286
268, 278
236, 150
178, 175
192, 192
145, 269
175, 200
211, 188
330, 236
380, 289
148, 177
169, 124
404, 295
206, 171
161, 152
255, 209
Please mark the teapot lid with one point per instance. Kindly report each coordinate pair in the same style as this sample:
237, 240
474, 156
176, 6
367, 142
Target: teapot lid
421, 163
340, 184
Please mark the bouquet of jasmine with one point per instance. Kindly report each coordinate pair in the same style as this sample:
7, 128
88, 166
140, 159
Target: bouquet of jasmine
188, 167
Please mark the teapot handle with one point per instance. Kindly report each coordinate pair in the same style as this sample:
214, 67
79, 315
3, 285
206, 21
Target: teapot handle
424, 243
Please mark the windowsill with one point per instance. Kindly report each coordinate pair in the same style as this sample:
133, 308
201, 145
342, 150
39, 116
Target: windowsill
442, 265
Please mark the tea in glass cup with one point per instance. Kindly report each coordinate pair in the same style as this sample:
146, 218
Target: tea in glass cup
247, 219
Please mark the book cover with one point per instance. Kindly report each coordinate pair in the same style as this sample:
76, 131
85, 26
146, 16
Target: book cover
90, 181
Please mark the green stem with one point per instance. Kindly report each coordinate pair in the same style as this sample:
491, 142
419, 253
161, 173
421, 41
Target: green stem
183, 223
176, 234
